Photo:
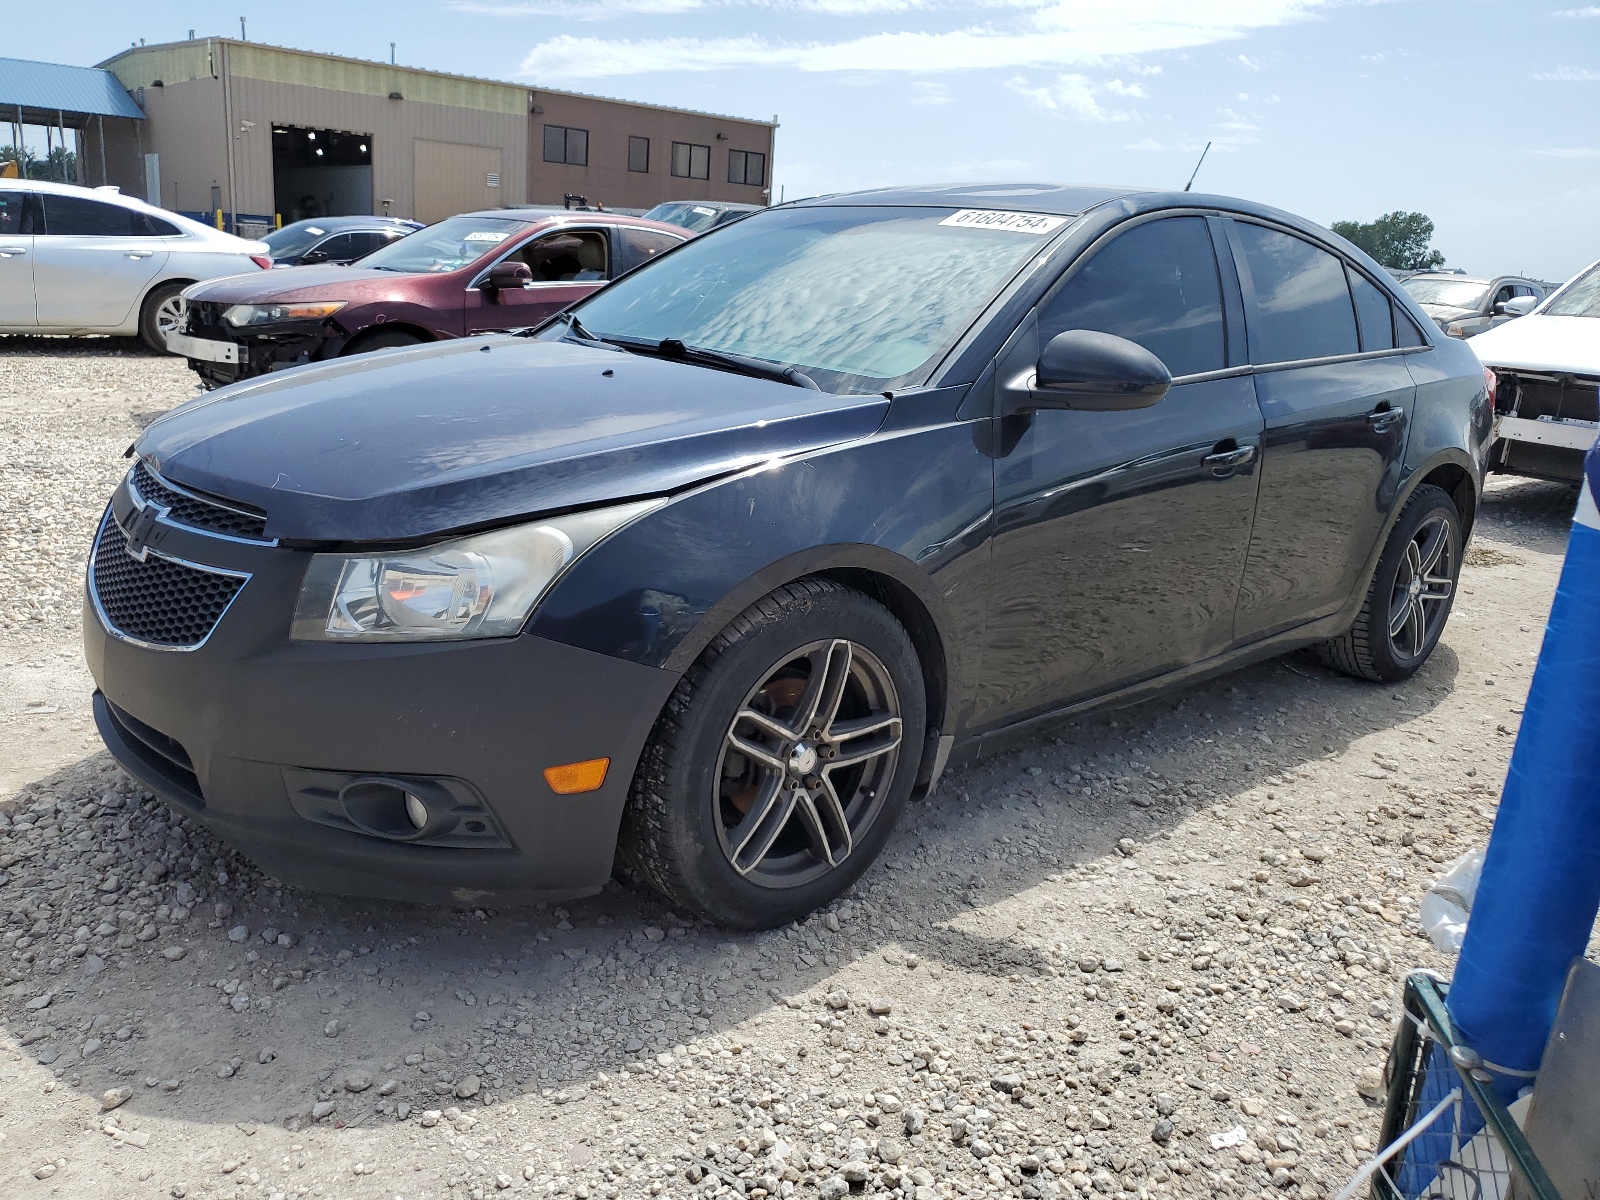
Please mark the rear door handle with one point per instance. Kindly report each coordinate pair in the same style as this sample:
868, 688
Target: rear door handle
12, 251
1225, 462
1385, 418
137, 254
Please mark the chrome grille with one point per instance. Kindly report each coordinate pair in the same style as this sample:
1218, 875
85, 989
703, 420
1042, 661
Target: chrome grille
156, 601
186, 508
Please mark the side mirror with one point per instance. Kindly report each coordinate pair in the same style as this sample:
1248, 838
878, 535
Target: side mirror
313, 256
507, 275
1517, 306
1097, 372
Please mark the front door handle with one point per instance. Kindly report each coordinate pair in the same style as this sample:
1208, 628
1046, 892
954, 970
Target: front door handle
12, 251
1224, 462
1384, 419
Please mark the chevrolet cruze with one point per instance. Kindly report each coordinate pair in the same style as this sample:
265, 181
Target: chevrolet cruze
717, 570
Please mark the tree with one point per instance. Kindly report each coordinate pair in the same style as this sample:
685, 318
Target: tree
1397, 239
61, 165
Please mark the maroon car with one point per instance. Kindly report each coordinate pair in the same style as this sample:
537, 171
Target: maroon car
475, 273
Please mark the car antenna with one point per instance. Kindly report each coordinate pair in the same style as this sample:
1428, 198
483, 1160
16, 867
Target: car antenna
1196, 170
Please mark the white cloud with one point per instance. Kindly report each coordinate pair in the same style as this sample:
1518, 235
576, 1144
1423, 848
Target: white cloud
1569, 75
1146, 144
1575, 152
1592, 10
576, 10
1249, 63
1132, 91
1061, 33
1073, 94
923, 92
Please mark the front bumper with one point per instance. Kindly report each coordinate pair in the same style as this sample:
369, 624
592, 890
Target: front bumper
227, 733
221, 355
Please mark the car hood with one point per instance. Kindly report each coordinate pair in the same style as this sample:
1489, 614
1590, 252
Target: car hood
1447, 312
318, 282
1540, 343
402, 445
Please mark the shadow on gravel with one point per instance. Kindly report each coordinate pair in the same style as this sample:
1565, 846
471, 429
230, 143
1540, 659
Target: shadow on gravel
236, 999
88, 347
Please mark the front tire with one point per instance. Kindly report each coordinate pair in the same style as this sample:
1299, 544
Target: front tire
782, 761
1409, 600
162, 313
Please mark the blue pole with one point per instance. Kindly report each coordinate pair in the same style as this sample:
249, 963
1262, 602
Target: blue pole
1539, 892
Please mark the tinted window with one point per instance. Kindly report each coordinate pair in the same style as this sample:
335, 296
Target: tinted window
1155, 285
1302, 305
746, 166
339, 248
1372, 312
1406, 332
14, 214
691, 161
74, 216
644, 244
639, 154
565, 145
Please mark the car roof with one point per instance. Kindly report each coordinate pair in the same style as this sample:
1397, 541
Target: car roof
556, 216
1056, 199
358, 222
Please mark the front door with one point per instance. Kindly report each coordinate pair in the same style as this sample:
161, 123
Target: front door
1120, 536
92, 262
567, 265
17, 217
1335, 397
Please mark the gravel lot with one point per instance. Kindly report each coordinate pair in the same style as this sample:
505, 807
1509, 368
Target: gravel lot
1075, 963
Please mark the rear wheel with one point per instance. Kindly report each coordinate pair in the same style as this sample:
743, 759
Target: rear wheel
162, 314
1410, 597
782, 761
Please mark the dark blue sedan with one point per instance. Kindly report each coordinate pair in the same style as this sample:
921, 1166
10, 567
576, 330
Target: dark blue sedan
718, 569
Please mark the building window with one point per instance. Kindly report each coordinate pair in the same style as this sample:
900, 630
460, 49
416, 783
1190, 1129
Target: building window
563, 145
746, 166
690, 161
639, 154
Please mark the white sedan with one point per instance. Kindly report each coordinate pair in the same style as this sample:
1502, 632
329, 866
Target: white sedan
82, 260
1547, 382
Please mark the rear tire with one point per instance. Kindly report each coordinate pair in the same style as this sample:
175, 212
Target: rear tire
390, 339
161, 314
1409, 599
823, 689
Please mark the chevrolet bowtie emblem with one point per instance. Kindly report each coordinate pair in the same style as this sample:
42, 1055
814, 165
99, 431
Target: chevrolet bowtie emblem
141, 527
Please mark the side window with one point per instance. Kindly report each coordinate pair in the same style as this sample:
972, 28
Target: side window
1156, 285
1502, 294
566, 256
341, 247
73, 216
1406, 332
641, 245
1301, 305
362, 244
1372, 313
16, 214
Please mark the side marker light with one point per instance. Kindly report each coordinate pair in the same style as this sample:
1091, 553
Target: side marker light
571, 778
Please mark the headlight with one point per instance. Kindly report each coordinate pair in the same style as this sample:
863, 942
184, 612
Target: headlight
242, 315
472, 587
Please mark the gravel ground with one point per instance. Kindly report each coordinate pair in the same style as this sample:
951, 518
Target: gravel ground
1076, 962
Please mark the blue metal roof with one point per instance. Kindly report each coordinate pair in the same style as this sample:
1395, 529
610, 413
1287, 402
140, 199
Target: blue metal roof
55, 87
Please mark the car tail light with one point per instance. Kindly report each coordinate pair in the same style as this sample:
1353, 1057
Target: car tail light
1491, 381
262, 261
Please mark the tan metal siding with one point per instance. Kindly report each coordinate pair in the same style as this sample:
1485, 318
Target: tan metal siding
179, 63
185, 125
452, 178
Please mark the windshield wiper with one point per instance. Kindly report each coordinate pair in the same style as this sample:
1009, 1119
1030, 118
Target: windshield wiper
758, 367
576, 331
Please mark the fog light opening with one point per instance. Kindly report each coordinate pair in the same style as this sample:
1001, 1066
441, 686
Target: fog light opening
417, 811
391, 809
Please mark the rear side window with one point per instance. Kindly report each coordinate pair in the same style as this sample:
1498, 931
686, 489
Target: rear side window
1300, 307
641, 245
1406, 332
1155, 285
1372, 313
74, 216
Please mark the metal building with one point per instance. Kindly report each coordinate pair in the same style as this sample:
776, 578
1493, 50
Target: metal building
265, 135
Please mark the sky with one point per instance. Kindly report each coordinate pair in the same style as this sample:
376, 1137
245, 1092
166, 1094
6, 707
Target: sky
1483, 114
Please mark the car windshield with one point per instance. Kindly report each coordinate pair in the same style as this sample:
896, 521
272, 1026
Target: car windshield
1580, 298
1448, 293
450, 244
293, 240
698, 217
857, 298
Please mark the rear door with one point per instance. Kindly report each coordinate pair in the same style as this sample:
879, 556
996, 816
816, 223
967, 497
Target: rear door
567, 265
18, 214
1120, 536
1336, 397
93, 261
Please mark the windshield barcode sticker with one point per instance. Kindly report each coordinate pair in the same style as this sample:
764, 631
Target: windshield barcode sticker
1011, 222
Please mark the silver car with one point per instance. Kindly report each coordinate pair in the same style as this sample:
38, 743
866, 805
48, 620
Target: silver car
82, 260
1465, 305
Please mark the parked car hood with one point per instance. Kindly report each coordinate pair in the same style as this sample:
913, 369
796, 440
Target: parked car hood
1540, 343
1447, 312
405, 444
323, 281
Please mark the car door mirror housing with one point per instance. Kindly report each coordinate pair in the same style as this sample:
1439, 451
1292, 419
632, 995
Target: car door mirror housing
1098, 372
507, 275
1517, 306
313, 256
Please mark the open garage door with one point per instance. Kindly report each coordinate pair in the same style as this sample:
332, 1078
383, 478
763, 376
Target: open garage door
452, 178
320, 173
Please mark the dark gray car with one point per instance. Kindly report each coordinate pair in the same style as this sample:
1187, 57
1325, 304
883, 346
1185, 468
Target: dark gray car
1464, 305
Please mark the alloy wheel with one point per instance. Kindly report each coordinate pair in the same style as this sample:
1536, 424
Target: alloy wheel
806, 763
1422, 585
170, 315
